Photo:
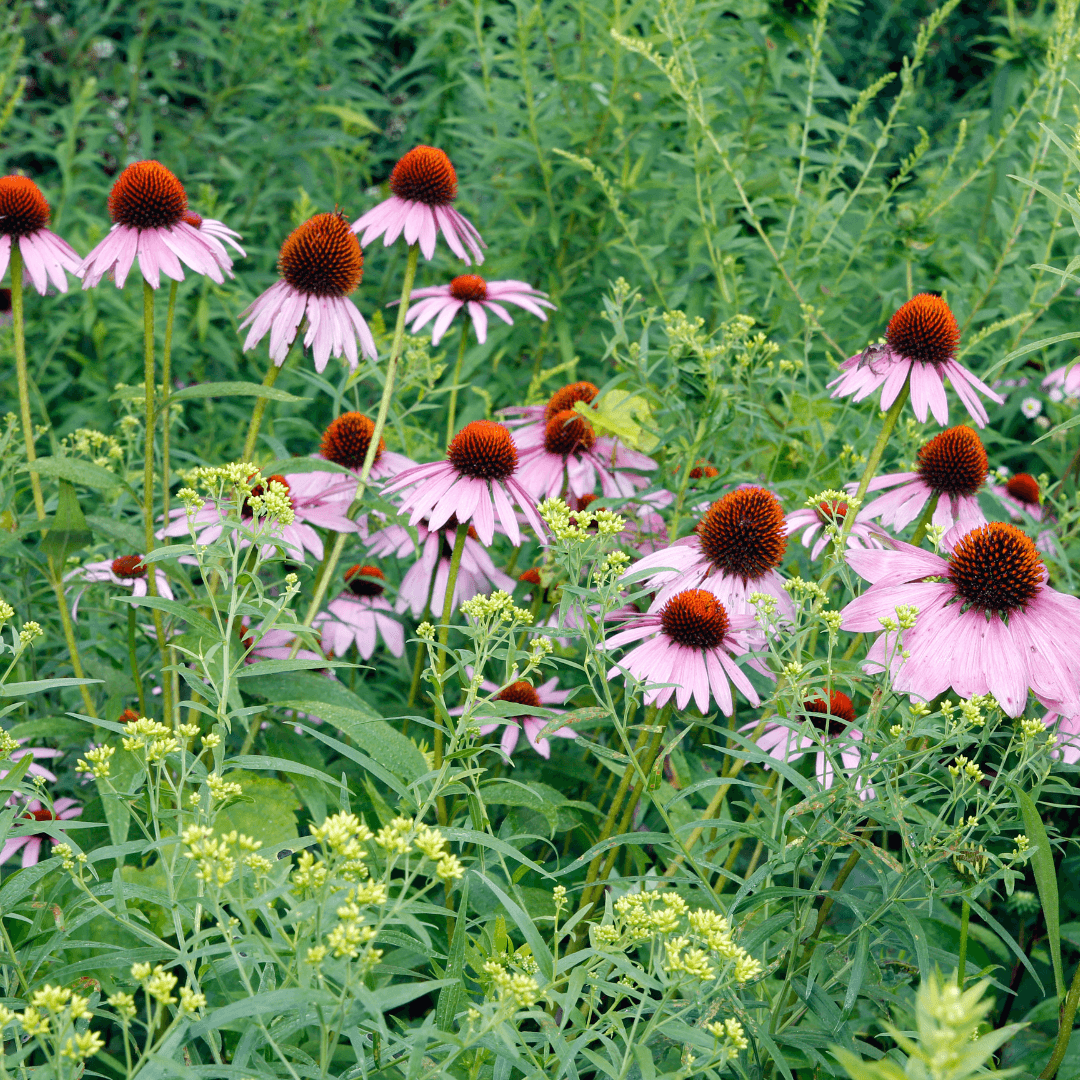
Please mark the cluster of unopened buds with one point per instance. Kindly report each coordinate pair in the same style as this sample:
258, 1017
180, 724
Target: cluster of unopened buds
968, 768
52, 1013
517, 989
576, 526
150, 738
498, 607
690, 948
216, 857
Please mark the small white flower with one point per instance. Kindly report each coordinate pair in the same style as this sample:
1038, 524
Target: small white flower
1031, 407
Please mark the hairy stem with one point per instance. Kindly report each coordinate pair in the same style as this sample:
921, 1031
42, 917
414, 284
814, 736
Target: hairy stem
55, 574
457, 379
257, 413
376, 436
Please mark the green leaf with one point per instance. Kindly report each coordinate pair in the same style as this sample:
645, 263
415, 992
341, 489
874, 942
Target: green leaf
623, 415
353, 120
303, 465
131, 536
21, 689
271, 817
451, 997
1033, 346
272, 1003
77, 471
1042, 865
68, 531
231, 389
858, 970
274, 667
1065, 425
524, 923
515, 793
189, 615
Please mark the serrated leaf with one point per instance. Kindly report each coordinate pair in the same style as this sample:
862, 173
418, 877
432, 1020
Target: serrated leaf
623, 415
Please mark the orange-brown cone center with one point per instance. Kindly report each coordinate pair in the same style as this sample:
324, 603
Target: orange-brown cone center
924, 329
193, 219
566, 398
23, 209
520, 693
954, 462
425, 175
1023, 487
469, 287
364, 580
345, 442
743, 533
147, 196
694, 618
995, 569
483, 450
838, 704
322, 257
703, 470
129, 566
567, 432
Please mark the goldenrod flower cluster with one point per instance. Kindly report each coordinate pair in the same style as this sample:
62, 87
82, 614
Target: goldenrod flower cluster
514, 988
497, 608
97, 762
216, 859
577, 525
153, 739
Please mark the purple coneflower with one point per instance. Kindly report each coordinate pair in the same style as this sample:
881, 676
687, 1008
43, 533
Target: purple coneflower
833, 719
987, 621
1067, 730
921, 341
693, 640
216, 233
315, 501
34, 768
427, 576
952, 466
24, 213
475, 483
128, 571
478, 297
147, 205
320, 264
523, 692
1066, 380
30, 843
423, 187
813, 520
359, 616
733, 552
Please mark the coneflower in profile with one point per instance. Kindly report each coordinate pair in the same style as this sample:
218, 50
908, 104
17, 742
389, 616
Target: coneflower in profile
216, 233
24, 213
423, 187
359, 616
320, 264
477, 297
147, 205
921, 341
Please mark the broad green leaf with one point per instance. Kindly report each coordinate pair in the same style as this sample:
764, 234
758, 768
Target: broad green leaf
77, 471
271, 817
68, 531
515, 793
1042, 865
622, 415
231, 389
452, 997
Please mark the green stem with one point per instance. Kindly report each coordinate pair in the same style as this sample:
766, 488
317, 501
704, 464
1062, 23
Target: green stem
444, 638
55, 574
924, 521
134, 658
376, 437
166, 378
148, 486
457, 379
257, 413
1065, 1026
961, 964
